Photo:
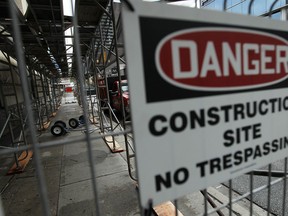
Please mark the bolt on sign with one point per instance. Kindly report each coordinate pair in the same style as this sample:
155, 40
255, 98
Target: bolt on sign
209, 96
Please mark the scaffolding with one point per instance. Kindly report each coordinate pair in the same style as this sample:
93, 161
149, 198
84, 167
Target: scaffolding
34, 58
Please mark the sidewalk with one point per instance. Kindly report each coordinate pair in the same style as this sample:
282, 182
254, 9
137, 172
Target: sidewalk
68, 179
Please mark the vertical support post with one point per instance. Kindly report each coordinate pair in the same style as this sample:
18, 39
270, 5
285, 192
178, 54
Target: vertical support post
54, 97
230, 197
117, 62
120, 87
284, 187
94, 81
36, 97
84, 103
107, 85
269, 189
20, 116
251, 192
45, 99
48, 94
23, 76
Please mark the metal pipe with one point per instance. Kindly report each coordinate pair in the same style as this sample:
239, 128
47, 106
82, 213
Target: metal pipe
251, 194
121, 59
269, 190
85, 107
284, 187
27, 100
61, 142
18, 111
225, 5
267, 173
205, 194
256, 190
230, 197
5, 125
250, 6
271, 7
104, 62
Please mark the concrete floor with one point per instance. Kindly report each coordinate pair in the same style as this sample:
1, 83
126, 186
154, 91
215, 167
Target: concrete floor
68, 178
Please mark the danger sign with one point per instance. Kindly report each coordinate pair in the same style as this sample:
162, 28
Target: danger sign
209, 98
199, 59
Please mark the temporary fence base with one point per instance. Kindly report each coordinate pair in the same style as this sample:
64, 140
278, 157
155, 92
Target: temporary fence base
45, 126
166, 208
94, 120
54, 113
114, 147
23, 160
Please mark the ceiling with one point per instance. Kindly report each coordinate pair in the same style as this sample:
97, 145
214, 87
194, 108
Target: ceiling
42, 29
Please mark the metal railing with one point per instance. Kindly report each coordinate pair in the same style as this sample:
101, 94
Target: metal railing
97, 49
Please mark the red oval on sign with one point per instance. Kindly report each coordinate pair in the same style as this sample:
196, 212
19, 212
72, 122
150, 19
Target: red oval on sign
219, 59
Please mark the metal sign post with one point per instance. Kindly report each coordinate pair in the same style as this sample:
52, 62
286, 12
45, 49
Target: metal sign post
209, 96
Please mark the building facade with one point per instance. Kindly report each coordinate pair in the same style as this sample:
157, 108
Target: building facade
259, 7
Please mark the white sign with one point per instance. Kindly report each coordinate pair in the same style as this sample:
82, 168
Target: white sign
209, 96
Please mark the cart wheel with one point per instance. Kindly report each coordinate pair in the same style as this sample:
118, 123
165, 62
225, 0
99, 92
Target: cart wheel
57, 130
82, 119
59, 122
73, 123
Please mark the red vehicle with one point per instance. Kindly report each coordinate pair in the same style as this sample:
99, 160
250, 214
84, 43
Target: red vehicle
115, 96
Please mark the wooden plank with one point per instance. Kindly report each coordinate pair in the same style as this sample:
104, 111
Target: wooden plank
53, 114
23, 160
113, 148
93, 120
166, 209
45, 125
